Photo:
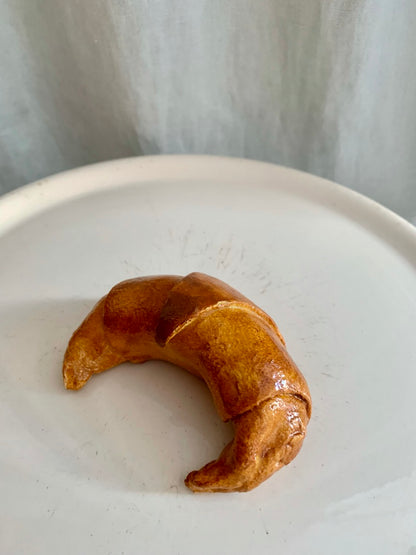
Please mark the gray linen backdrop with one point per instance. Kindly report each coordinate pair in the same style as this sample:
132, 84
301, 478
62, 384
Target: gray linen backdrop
326, 86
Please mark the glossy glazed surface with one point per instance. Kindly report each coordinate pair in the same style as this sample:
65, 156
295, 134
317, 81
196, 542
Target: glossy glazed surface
206, 327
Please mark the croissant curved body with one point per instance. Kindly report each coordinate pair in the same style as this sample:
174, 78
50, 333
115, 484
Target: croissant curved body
214, 332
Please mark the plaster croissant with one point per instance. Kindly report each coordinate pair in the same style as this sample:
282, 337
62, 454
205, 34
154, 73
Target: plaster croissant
203, 325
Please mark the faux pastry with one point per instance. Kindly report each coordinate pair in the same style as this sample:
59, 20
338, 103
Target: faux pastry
203, 325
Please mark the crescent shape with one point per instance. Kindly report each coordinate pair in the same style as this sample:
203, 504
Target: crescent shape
203, 325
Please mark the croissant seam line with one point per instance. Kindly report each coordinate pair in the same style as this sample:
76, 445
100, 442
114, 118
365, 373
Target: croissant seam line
229, 304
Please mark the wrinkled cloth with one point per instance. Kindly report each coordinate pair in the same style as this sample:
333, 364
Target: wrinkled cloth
325, 86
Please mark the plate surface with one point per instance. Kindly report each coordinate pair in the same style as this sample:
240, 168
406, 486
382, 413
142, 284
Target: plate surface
101, 470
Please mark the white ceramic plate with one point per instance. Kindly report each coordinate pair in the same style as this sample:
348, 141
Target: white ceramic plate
101, 470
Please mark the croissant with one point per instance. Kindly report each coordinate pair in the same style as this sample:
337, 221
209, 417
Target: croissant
203, 325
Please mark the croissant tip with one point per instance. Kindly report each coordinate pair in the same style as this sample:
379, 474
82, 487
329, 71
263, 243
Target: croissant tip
195, 485
72, 380
70, 384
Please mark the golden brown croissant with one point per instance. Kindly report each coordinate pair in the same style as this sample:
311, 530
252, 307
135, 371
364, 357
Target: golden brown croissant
211, 330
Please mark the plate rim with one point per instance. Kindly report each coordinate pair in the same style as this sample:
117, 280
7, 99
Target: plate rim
27, 201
